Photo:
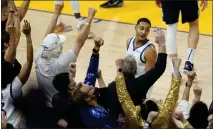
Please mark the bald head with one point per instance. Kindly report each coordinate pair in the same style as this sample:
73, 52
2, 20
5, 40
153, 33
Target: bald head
130, 66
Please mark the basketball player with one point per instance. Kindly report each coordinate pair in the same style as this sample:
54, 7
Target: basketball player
61, 27
142, 49
190, 13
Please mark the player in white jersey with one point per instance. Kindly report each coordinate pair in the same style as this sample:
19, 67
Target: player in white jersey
61, 27
142, 48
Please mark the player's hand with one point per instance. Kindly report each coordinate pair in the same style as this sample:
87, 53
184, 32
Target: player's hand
98, 42
203, 4
91, 12
160, 38
26, 28
157, 2
58, 8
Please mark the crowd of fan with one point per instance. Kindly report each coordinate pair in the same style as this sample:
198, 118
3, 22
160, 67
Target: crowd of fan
61, 102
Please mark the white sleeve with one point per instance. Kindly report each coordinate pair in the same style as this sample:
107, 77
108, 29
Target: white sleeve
16, 88
185, 108
38, 53
66, 58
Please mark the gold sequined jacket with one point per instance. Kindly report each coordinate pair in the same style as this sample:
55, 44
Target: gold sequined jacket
164, 119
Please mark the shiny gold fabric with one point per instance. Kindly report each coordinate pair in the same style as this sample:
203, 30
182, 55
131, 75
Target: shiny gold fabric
164, 119
131, 111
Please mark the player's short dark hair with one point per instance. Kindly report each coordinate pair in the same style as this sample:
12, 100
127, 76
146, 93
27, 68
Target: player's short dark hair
147, 107
4, 3
5, 38
146, 20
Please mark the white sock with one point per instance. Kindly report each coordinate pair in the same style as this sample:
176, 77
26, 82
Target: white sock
75, 6
171, 38
191, 53
58, 21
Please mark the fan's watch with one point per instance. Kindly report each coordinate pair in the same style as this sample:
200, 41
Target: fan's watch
148, 124
120, 70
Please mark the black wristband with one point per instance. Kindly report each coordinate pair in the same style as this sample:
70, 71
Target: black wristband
95, 50
120, 70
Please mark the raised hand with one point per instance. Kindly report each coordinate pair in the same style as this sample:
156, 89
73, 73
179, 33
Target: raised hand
58, 8
152, 116
26, 28
72, 70
179, 115
197, 90
157, 2
204, 4
191, 76
160, 37
91, 12
176, 63
119, 63
98, 42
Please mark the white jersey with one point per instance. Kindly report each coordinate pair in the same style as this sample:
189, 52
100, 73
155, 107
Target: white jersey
138, 53
9, 95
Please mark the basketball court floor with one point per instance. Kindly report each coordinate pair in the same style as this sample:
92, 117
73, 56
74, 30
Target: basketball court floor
115, 26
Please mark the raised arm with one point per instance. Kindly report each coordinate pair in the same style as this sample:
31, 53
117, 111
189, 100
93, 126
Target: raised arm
52, 25
25, 71
23, 9
18, 29
197, 94
171, 100
131, 111
10, 55
83, 35
92, 71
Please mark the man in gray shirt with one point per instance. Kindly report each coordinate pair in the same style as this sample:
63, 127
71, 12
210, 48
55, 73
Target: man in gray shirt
50, 60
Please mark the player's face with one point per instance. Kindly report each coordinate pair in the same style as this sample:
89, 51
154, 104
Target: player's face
142, 30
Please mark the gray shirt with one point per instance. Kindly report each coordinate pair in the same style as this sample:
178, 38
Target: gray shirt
46, 71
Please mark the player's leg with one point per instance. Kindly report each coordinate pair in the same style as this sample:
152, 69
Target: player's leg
112, 4
60, 26
76, 9
170, 17
191, 16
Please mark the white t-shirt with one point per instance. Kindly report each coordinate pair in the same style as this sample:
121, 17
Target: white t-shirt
46, 71
185, 107
9, 94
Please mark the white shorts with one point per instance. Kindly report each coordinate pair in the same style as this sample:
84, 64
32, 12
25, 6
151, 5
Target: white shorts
185, 107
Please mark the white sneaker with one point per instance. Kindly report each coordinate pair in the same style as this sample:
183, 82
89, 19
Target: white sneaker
80, 25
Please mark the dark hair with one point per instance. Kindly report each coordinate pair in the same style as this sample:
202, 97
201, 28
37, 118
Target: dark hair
147, 107
198, 116
61, 82
211, 108
4, 3
5, 38
146, 20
